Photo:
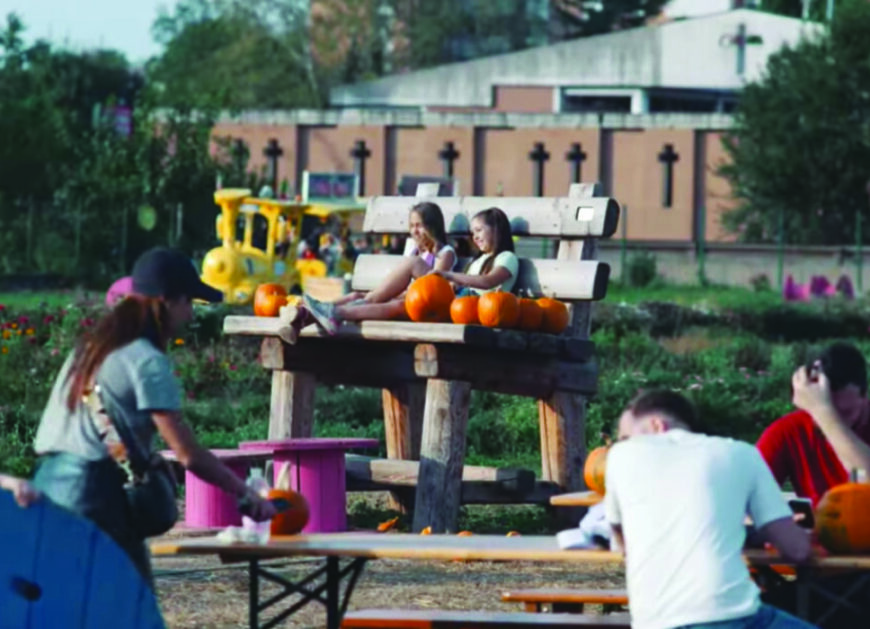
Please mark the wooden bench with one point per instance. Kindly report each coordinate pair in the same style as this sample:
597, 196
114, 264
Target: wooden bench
567, 600
444, 619
427, 371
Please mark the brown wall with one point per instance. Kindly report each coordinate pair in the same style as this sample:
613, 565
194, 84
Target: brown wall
329, 150
635, 172
257, 138
417, 153
525, 99
718, 199
508, 170
638, 182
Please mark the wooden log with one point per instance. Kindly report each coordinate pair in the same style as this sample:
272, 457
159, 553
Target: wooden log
563, 445
442, 454
352, 363
505, 372
568, 280
291, 413
403, 426
568, 217
391, 472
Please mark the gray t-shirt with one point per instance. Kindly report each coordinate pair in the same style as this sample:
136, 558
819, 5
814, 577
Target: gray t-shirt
137, 377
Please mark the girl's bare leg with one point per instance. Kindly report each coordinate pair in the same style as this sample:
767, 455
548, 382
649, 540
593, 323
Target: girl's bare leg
360, 312
398, 279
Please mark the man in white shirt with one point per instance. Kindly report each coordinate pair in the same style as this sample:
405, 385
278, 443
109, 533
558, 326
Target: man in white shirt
677, 501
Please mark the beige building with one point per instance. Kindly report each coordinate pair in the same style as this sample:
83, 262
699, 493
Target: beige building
643, 111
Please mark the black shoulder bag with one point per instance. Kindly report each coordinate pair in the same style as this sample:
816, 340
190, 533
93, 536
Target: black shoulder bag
151, 486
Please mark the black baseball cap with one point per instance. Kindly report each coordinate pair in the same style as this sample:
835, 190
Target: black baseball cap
162, 272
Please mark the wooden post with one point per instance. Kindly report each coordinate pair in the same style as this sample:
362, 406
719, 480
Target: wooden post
292, 410
403, 424
442, 454
562, 416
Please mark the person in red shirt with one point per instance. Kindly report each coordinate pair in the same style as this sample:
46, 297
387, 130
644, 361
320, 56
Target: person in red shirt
828, 436
815, 448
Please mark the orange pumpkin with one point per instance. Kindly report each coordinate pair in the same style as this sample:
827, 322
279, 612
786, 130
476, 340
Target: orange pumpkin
429, 298
594, 468
843, 519
555, 318
464, 310
268, 300
531, 315
294, 519
498, 310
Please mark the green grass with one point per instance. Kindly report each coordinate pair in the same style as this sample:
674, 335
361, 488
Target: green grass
716, 297
28, 300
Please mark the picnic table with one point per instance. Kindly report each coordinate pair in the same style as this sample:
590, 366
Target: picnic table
355, 549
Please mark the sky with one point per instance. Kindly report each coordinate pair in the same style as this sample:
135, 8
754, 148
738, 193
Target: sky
123, 25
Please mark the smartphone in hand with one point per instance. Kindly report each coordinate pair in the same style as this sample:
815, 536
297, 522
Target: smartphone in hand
804, 508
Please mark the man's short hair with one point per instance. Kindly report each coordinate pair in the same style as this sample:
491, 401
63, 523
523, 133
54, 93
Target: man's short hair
666, 402
844, 364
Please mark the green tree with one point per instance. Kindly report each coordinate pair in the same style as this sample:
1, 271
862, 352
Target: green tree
800, 144
234, 54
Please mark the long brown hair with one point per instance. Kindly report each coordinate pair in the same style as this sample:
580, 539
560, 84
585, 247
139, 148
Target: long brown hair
433, 220
132, 318
498, 221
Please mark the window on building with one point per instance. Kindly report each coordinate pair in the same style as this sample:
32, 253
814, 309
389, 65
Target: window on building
592, 103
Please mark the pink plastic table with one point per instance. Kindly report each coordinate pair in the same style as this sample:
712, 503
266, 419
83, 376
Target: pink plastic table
317, 472
208, 506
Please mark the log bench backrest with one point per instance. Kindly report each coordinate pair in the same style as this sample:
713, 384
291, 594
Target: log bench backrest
563, 218
567, 280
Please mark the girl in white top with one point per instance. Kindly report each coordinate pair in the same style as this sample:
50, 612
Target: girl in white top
497, 266
429, 252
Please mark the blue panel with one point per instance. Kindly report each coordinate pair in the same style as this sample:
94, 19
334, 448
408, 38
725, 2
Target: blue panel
76, 574
19, 535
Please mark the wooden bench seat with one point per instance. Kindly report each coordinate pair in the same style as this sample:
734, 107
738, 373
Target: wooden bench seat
567, 600
445, 619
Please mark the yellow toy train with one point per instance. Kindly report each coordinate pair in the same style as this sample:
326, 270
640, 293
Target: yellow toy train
259, 239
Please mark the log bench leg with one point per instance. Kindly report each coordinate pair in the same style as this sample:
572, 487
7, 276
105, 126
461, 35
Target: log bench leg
292, 410
442, 455
562, 419
403, 424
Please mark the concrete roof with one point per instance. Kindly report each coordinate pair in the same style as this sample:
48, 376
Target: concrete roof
692, 54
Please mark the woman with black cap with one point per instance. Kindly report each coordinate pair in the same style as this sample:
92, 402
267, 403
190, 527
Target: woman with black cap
114, 392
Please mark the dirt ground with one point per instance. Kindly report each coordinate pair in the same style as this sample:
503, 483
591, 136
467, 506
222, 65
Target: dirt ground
202, 593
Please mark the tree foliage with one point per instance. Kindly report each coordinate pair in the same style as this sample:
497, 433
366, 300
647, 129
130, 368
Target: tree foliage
800, 145
71, 184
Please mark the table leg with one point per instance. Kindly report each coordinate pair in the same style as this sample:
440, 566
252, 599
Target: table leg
403, 422
333, 610
442, 454
562, 421
254, 594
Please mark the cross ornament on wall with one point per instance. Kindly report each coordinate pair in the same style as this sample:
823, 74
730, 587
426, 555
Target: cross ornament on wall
360, 153
240, 154
448, 155
668, 157
272, 152
576, 156
539, 156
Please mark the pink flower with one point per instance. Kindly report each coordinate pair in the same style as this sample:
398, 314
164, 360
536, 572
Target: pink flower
48, 319
87, 322
23, 319
2, 307
232, 367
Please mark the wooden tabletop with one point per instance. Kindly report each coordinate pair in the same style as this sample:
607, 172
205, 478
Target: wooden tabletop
577, 499
412, 332
308, 443
439, 547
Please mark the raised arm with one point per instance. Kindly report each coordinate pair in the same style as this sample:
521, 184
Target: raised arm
180, 438
814, 396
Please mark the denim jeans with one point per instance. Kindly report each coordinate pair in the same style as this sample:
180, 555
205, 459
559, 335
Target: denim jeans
766, 617
94, 490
